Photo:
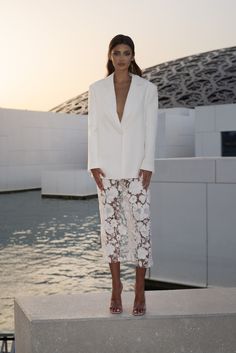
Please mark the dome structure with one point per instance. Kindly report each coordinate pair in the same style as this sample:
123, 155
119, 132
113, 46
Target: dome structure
203, 79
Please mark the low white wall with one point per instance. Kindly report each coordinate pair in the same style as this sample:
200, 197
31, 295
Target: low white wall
193, 203
32, 141
209, 122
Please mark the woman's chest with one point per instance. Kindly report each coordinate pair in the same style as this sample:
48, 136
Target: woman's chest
126, 101
121, 93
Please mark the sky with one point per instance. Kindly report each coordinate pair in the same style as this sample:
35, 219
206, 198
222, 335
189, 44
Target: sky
51, 50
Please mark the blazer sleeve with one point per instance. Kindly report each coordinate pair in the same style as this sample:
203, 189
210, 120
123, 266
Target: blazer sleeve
151, 119
92, 130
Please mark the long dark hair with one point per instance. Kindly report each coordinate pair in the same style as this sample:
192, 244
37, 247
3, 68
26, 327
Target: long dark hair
122, 39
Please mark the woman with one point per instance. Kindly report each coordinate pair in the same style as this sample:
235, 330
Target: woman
122, 123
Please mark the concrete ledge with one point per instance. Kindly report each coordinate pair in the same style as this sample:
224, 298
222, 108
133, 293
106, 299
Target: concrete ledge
194, 170
68, 182
193, 320
226, 170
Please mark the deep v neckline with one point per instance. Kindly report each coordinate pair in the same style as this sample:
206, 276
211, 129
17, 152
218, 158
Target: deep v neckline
114, 91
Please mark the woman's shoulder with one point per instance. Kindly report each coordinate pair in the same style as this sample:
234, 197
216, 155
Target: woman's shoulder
147, 85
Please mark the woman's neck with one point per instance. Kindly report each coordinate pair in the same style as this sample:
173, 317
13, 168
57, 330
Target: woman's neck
121, 77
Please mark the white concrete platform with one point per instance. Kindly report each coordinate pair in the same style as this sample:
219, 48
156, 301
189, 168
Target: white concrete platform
68, 182
190, 320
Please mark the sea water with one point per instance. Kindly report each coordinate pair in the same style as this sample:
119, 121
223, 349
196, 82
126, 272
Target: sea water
50, 246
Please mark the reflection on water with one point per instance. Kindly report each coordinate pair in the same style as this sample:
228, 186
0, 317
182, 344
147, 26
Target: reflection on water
50, 246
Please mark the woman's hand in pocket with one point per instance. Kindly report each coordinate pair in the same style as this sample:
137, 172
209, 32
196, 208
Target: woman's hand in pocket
98, 174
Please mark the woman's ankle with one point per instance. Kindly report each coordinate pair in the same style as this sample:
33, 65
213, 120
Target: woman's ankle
139, 286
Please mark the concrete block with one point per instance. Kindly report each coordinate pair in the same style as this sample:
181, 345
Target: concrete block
3, 178
3, 150
20, 177
178, 213
184, 170
221, 234
45, 139
178, 125
211, 144
175, 151
68, 182
205, 119
199, 320
178, 110
225, 117
226, 170
40, 138
175, 134
198, 144
65, 180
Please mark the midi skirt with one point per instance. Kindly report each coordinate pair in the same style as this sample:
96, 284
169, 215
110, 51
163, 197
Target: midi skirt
124, 207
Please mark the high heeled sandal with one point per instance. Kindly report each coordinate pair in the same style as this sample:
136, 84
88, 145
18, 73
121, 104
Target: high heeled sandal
137, 311
114, 308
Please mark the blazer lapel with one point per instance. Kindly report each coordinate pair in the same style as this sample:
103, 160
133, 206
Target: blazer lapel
111, 98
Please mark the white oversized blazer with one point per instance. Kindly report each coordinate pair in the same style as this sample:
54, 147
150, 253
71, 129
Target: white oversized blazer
121, 149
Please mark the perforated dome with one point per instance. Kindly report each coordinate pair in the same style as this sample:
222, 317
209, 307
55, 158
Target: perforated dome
202, 79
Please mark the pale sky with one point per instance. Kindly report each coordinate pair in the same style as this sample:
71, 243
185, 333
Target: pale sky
51, 50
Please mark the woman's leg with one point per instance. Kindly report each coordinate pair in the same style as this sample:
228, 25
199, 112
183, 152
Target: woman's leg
116, 303
109, 206
139, 217
139, 301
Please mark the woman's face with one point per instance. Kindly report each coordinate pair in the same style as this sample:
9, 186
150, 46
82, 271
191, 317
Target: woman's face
121, 56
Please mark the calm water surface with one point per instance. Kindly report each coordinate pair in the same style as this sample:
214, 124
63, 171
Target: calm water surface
50, 246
